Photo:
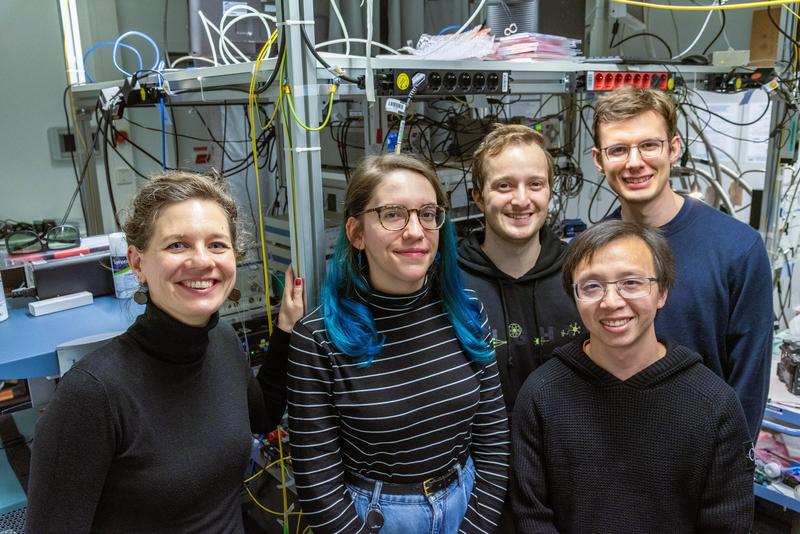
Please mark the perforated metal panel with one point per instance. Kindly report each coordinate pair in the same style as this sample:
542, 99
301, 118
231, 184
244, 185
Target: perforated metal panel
13, 522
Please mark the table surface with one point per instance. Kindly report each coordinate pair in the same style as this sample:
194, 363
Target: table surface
28, 344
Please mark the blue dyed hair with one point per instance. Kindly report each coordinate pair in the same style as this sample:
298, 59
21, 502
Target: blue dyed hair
349, 322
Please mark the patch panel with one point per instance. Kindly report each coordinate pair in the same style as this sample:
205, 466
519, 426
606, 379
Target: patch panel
610, 80
397, 82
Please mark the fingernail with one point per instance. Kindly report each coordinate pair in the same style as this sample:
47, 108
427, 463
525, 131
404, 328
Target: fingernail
298, 281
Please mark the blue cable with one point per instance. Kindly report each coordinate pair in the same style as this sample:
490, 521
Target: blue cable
108, 43
444, 30
163, 135
147, 38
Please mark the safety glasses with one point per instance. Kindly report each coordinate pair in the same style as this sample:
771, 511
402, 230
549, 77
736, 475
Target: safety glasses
57, 238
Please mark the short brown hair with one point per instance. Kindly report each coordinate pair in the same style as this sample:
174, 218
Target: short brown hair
502, 136
178, 186
627, 101
601, 234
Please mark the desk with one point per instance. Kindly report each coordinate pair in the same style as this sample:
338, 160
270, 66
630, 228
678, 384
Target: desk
782, 415
28, 343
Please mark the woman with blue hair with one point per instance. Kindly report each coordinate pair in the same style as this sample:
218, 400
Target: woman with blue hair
396, 416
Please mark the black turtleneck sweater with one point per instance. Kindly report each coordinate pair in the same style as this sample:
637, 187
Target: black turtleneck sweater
420, 407
149, 434
665, 451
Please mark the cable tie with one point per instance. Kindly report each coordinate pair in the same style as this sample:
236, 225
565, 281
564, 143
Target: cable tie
295, 22
301, 149
202, 94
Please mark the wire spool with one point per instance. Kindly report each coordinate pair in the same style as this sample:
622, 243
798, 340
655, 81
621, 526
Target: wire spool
524, 13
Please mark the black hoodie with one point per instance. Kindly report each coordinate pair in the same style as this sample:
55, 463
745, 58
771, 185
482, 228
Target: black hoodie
667, 450
530, 316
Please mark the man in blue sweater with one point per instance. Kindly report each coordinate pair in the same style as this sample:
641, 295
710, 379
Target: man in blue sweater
721, 306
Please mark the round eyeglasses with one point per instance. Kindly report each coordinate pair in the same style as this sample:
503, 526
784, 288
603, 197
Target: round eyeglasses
394, 217
648, 149
627, 288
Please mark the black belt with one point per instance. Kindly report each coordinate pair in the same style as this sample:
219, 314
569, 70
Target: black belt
427, 487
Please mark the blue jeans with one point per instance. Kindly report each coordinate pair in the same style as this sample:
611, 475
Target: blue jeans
441, 513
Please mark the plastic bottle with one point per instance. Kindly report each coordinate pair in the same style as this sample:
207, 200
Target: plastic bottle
125, 282
3, 307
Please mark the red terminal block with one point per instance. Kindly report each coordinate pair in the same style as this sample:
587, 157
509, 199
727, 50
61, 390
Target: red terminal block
273, 436
608, 81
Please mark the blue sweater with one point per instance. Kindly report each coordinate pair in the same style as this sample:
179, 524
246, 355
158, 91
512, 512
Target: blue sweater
721, 304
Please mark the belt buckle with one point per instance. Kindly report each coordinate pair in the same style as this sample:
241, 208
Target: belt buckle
425, 490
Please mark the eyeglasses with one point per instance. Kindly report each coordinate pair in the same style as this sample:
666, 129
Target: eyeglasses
648, 149
56, 238
394, 218
627, 288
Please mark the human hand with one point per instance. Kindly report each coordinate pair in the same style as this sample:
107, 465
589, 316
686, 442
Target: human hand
293, 302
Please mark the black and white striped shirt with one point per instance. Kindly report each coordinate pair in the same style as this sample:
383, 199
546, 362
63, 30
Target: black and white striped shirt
419, 407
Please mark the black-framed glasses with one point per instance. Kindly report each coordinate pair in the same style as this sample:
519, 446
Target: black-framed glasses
628, 288
648, 149
57, 238
394, 217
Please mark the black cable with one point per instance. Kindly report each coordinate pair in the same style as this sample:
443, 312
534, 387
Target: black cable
325, 64
224, 134
719, 33
108, 170
644, 34
74, 147
174, 137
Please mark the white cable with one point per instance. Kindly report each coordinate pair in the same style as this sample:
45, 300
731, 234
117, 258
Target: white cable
460, 30
356, 40
187, 58
370, 86
699, 34
206, 24
343, 26
224, 42
251, 13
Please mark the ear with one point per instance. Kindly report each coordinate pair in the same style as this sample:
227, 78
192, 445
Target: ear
477, 197
662, 299
597, 158
135, 262
675, 148
354, 233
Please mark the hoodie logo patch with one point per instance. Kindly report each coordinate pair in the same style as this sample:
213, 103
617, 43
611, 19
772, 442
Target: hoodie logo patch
514, 330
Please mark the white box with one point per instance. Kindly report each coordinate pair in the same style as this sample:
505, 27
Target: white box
56, 304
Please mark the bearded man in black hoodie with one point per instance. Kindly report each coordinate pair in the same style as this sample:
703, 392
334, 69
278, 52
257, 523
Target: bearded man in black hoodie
514, 265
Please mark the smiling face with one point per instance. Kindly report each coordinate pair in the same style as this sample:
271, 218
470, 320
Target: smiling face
637, 180
619, 325
189, 264
398, 260
515, 194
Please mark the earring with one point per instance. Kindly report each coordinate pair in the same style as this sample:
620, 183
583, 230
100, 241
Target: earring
140, 297
234, 295
360, 259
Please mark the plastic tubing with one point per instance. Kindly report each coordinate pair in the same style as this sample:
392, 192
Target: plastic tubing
356, 40
343, 26
252, 12
147, 38
108, 43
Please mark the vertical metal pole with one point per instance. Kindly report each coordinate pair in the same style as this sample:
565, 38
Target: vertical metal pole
90, 190
768, 225
303, 160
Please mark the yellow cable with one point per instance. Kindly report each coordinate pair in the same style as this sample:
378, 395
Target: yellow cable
288, 98
747, 5
252, 101
791, 11
283, 482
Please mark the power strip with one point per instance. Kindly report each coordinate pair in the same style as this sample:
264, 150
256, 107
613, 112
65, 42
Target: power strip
57, 304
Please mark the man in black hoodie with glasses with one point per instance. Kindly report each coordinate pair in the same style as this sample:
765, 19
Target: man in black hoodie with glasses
514, 265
